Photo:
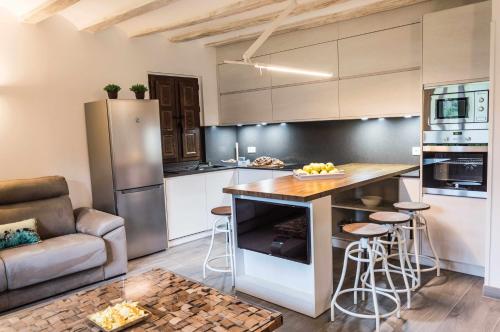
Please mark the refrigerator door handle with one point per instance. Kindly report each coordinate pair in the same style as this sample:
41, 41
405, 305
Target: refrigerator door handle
135, 190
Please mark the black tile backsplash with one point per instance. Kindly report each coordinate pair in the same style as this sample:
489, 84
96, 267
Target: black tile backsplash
379, 141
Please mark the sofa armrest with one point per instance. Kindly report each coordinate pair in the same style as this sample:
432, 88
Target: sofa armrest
96, 223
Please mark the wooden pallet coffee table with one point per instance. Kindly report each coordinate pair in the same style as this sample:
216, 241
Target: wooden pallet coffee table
176, 304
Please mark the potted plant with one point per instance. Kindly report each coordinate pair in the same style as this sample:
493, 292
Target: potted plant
139, 90
112, 90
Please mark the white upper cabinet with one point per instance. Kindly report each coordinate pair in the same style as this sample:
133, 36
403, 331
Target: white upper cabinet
457, 44
321, 57
246, 107
395, 94
388, 50
315, 101
234, 77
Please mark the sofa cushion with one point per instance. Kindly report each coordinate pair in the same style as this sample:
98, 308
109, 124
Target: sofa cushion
54, 215
3, 277
52, 258
28, 190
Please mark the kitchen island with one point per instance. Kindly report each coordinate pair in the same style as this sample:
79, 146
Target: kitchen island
283, 231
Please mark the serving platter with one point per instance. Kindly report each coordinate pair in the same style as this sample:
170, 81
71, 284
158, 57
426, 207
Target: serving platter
122, 327
338, 175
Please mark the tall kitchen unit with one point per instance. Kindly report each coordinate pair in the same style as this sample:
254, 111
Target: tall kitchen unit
126, 169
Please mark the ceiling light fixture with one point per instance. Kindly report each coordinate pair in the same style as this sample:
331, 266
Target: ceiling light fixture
247, 56
264, 123
408, 116
364, 119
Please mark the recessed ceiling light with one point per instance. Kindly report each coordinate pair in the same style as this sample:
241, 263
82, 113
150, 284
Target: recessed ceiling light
381, 119
364, 119
239, 125
408, 116
258, 125
264, 123
283, 124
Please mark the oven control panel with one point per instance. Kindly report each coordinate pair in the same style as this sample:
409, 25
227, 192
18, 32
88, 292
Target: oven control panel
481, 99
456, 137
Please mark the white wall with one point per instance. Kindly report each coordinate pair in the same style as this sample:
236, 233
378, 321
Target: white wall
48, 71
492, 278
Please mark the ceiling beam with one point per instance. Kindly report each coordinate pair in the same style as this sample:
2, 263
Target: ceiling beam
252, 21
108, 21
46, 10
225, 11
314, 22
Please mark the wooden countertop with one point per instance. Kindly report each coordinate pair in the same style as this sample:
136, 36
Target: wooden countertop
291, 189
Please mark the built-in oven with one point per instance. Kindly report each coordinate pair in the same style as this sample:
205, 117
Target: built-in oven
459, 106
455, 170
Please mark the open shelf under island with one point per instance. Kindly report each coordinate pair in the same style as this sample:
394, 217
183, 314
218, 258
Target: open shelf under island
283, 231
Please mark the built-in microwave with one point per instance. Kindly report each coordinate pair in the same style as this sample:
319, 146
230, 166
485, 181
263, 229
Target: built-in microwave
459, 106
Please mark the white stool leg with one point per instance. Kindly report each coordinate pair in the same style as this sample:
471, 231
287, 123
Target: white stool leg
209, 250
428, 234
402, 262
371, 267
358, 272
385, 266
231, 251
341, 282
416, 246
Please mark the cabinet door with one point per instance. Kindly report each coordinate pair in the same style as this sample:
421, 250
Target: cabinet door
186, 205
234, 77
189, 107
312, 101
246, 107
457, 227
321, 57
409, 189
392, 49
215, 182
394, 94
252, 175
457, 44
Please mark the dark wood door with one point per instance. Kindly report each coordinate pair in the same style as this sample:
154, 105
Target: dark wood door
179, 116
190, 117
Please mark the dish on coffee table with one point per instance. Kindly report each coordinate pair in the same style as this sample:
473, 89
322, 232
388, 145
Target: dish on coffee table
119, 316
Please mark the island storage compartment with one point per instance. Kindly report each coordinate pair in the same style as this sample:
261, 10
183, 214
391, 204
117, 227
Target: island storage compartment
273, 229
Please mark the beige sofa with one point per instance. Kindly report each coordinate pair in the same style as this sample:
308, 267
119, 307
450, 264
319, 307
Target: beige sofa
78, 247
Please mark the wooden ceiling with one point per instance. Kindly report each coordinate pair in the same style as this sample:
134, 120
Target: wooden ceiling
210, 22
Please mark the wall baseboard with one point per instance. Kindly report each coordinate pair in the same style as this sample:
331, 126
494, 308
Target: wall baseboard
491, 292
188, 238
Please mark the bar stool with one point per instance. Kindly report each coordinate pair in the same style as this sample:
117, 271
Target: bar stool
221, 225
417, 225
368, 235
394, 221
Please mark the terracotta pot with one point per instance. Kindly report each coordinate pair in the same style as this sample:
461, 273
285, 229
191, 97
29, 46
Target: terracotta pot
139, 95
113, 94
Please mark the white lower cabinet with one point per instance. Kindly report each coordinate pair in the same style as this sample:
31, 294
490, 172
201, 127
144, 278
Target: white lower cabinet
457, 226
190, 198
186, 205
252, 175
215, 182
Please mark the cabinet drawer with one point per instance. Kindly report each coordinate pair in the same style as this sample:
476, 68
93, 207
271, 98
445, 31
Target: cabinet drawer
322, 57
306, 102
246, 107
387, 50
240, 77
381, 95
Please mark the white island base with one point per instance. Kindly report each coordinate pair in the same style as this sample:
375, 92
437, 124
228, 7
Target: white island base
305, 288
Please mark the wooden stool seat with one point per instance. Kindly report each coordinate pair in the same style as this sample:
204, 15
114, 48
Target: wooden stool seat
411, 206
366, 230
221, 211
389, 217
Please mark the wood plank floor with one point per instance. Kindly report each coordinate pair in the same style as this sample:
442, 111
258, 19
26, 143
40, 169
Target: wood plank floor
452, 302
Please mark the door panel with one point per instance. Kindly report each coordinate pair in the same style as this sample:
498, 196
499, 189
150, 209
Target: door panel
145, 220
163, 89
190, 116
135, 138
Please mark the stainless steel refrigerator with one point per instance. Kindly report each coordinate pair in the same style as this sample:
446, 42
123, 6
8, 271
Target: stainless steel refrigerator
126, 169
